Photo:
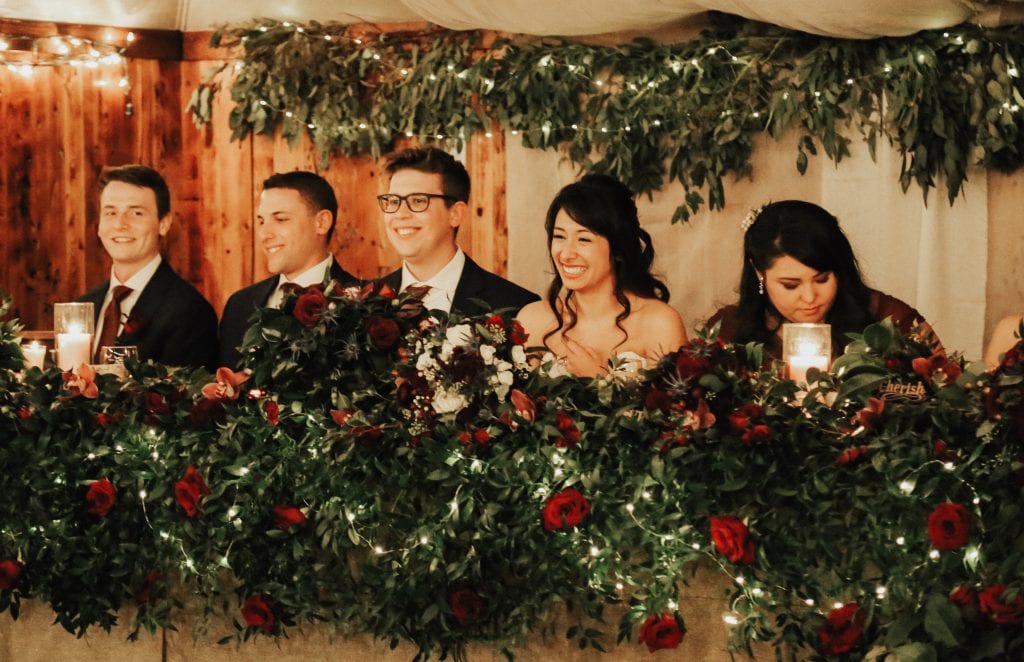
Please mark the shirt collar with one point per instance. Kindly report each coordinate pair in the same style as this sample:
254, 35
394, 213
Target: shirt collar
312, 276
140, 278
442, 284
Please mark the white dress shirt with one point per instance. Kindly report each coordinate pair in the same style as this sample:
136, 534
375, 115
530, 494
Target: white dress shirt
442, 284
312, 276
137, 282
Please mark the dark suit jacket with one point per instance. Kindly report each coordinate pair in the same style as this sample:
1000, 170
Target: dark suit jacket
172, 323
479, 291
238, 311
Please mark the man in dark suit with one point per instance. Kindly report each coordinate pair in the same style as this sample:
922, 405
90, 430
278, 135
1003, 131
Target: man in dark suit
423, 209
294, 224
145, 303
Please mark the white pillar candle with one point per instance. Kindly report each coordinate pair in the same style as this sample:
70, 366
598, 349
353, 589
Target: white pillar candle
73, 349
799, 364
35, 355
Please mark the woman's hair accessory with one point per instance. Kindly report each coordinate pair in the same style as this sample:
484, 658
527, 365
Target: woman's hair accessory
751, 216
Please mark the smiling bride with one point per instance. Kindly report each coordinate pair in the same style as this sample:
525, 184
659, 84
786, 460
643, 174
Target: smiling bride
604, 308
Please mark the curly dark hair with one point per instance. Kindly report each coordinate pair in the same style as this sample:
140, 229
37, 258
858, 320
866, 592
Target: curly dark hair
810, 235
605, 206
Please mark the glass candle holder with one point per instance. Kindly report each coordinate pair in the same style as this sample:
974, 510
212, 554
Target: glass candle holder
73, 326
35, 355
806, 346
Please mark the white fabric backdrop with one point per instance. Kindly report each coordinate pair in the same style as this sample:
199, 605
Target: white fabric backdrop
935, 257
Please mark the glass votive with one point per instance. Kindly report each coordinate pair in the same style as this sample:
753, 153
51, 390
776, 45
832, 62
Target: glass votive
118, 354
73, 326
35, 354
806, 346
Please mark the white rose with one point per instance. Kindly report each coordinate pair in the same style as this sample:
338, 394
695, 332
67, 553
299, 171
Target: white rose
519, 356
448, 403
487, 354
460, 334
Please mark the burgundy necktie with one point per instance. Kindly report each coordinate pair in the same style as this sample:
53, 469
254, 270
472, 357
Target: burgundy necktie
111, 320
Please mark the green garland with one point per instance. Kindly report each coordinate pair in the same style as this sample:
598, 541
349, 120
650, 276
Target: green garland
647, 113
386, 473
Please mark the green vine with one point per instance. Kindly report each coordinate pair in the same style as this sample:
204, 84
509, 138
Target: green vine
647, 113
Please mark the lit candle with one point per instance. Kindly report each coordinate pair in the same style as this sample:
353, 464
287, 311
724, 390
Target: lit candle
74, 347
35, 354
806, 346
804, 360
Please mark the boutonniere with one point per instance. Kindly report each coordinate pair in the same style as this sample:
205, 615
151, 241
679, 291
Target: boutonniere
133, 325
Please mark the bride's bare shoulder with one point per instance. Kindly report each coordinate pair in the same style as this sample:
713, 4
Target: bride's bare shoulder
660, 324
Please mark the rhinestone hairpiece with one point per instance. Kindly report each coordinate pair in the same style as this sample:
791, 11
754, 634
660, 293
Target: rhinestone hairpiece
751, 216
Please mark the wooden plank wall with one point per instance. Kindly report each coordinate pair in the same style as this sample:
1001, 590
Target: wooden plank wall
61, 128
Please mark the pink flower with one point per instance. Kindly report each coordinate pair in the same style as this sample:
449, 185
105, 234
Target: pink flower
83, 383
227, 385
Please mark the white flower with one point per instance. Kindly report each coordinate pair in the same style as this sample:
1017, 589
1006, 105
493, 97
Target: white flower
519, 356
447, 402
350, 292
425, 362
487, 354
460, 334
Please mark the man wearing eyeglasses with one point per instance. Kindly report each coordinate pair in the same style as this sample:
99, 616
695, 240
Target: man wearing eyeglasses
423, 209
294, 224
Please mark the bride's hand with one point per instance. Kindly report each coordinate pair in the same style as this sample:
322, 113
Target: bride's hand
581, 360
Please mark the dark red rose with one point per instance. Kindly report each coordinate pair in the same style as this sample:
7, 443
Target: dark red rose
481, 436
949, 526
133, 325
102, 496
156, 403
285, 517
741, 419
24, 412
206, 411
495, 322
309, 307
759, 434
341, 416
690, 365
9, 572
273, 411
518, 336
466, 605
465, 364
871, 416
842, 630
258, 613
992, 604
963, 596
565, 510
144, 591
937, 363
732, 539
657, 400
852, 454
189, 490
670, 439
383, 332
525, 408
102, 419
664, 631
464, 438
570, 433
386, 291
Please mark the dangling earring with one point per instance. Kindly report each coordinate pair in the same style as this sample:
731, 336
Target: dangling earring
760, 285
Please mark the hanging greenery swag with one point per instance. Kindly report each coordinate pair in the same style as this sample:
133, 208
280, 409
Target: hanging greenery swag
645, 112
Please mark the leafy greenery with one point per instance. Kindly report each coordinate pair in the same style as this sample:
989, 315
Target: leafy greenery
648, 113
385, 472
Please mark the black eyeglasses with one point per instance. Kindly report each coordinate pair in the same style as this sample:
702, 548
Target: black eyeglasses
416, 202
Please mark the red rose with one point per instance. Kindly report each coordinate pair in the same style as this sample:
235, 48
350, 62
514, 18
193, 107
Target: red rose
657, 400
466, 605
102, 495
852, 454
525, 408
690, 365
341, 416
207, 411
257, 612
464, 438
937, 363
155, 403
732, 539
285, 517
741, 419
949, 526
24, 413
871, 416
658, 632
383, 332
9, 571
496, 322
992, 603
481, 435
518, 335
570, 433
758, 434
309, 307
842, 629
273, 411
963, 596
565, 510
189, 490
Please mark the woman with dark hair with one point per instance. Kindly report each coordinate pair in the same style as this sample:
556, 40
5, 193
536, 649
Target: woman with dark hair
603, 306
1005, 336
798, 266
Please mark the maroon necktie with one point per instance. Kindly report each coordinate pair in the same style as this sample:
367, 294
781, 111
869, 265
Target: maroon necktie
111, 320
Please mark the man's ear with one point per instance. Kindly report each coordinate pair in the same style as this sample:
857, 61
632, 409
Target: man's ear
324, 221
457, 214
164, 224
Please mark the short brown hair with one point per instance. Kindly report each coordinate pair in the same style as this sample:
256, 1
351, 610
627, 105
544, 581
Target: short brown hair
143, 177
454, 178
